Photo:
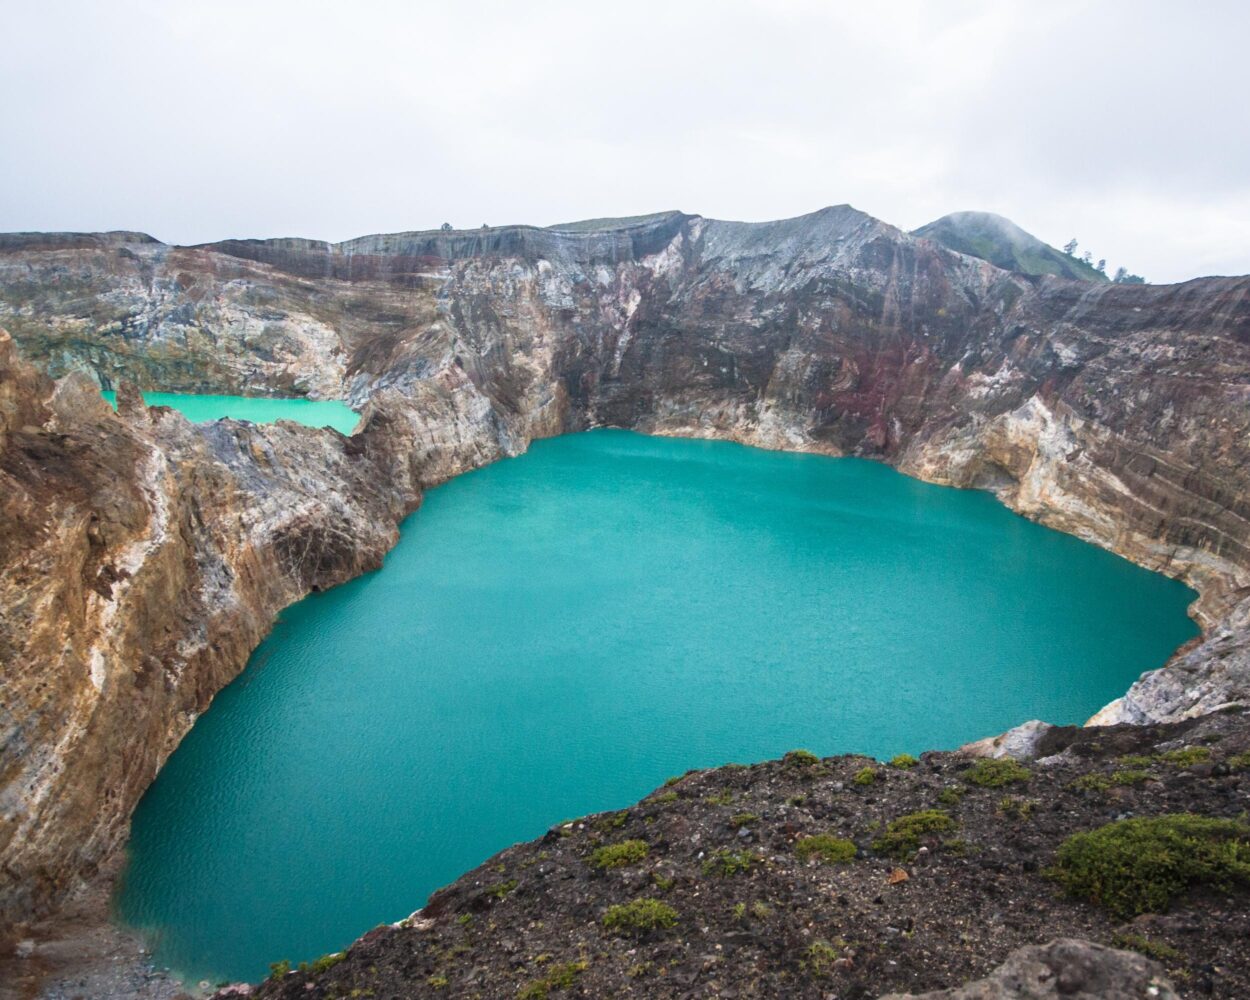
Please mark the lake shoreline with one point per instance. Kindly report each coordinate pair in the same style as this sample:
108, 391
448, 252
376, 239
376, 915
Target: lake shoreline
856, 609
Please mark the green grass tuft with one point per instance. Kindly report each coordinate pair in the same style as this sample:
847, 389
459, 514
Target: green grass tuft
627, 852
1158, 950
1239, 762
995, 772
726, 863
640, 916
1186, 756
902, 836
825, 847
559, 977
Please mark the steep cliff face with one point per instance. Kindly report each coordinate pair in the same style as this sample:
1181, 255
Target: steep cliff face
141, 560
1118, 413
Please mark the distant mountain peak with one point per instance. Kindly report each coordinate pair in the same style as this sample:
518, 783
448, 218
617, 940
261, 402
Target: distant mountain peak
1004, 244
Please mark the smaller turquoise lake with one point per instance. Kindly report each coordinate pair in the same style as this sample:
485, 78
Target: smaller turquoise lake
556, 634
258, 409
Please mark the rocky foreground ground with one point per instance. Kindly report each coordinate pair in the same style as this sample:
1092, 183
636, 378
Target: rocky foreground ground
847, 878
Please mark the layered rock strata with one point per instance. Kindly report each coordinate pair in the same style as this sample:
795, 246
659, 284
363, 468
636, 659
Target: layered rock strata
142, 558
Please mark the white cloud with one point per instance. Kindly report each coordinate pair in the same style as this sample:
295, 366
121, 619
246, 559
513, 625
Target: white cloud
1119, 123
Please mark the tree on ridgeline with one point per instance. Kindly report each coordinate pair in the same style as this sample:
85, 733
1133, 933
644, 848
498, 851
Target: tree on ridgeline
1070, 247
1101, 266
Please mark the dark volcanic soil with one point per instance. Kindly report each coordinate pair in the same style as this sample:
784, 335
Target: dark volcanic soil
761, 922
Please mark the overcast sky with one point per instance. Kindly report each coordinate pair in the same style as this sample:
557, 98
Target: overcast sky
1125, 125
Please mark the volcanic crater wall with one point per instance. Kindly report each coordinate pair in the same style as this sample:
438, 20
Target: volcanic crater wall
142, 557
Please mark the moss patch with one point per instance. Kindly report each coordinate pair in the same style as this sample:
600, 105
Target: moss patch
725, 863
1143, 945
560, 977
1135, 866
627, 852
825, 847
902, 836
1186, 756
639, 916
995, 773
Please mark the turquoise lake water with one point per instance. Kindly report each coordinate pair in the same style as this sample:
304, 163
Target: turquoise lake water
557, 633
258, 409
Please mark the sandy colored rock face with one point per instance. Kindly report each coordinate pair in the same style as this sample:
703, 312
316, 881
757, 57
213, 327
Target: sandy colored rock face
142, 558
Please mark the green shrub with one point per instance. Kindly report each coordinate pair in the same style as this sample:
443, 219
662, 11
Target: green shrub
613, 821
904, 761
323, 963
627, 852
1239, 762
991, 772
1140, 865
721, 798
804, 757
279, 969
819, 958
742, 819
670, 782
1129, 776
865, 776
437, 982
825, 847
726, 862
640, 916
1015, 807
500, 889
902, 836
1091, 783
1134, 760
666, 797
560, 977
950, 796
1186, 756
